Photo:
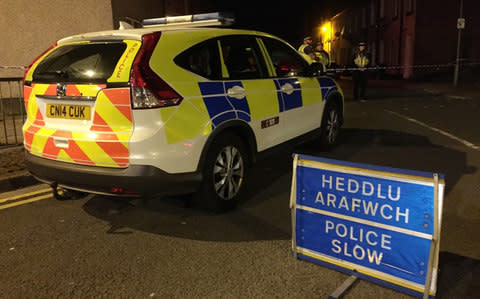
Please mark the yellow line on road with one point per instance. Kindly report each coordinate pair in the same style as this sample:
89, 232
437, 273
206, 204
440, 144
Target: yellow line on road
24, 195
18, 203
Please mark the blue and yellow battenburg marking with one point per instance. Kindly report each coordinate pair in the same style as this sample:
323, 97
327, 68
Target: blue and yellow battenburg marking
290, 101
327, 85
222, 108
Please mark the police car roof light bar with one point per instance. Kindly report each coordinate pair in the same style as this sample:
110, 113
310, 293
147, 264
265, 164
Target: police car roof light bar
205, 19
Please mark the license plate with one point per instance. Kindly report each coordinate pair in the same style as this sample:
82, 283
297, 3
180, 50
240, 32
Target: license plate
80, 112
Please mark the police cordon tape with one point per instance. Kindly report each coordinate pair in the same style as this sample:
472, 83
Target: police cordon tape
397, 67
13, 67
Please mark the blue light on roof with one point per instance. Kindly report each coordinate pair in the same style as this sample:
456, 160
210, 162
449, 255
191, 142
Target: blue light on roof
222, 18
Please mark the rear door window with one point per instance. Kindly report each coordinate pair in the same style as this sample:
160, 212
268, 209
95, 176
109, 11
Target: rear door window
242, 57
80, 63
201, 59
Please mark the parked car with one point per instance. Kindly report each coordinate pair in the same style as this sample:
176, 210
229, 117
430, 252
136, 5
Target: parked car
170, 109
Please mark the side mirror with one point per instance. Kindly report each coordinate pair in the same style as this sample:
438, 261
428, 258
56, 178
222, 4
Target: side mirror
315, 69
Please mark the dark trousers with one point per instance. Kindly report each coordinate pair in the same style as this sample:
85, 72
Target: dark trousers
359, 84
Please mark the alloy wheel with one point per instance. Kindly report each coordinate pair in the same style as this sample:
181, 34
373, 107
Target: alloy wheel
228, 172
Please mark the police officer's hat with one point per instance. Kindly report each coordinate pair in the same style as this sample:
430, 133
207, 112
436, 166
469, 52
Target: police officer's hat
307, 38
362, 44
319, 44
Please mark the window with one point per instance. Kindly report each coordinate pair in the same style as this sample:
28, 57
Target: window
364, 17
93, 62
202, 60
382, 9
410, 7
372, 13
373, 54
381, 51
243, 58
287, 61
395, 9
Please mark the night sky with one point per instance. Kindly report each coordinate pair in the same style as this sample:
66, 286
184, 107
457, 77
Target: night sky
288, 19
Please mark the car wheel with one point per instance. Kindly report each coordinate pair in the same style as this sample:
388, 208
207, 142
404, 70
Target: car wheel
223, 174
330, 125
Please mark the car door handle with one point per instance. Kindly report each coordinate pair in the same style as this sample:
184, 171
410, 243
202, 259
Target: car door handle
287, 88
236, 92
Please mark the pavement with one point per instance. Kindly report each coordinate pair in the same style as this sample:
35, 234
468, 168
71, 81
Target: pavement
13, 174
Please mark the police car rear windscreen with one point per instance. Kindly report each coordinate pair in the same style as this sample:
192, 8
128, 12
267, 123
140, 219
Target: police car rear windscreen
80, 63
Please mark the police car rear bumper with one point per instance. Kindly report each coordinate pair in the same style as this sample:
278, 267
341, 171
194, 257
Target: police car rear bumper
135, 180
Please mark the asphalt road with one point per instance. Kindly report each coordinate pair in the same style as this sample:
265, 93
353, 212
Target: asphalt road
107, 247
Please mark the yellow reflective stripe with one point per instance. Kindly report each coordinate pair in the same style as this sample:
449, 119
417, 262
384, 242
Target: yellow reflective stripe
40, 139
32, 108
122, 69
112, 116
32, 101
124, 137
92, 150
184, 122
63, 156
25, 128
311, 92
268, 60
88, 90
261, 100
225, 73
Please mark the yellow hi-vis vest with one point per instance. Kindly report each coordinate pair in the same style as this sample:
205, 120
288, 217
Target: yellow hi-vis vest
307, 57
361, 60
323, 58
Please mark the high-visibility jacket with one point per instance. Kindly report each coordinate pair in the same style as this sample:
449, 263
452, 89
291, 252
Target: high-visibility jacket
323, 57
306, 50
361, 59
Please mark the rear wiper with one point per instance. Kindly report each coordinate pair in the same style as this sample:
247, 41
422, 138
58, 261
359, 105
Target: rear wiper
60, 73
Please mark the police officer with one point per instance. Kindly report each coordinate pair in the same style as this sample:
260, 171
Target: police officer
306, 49
361, 61
321, 55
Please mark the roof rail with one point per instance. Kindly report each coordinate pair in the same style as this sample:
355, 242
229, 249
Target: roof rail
196, 20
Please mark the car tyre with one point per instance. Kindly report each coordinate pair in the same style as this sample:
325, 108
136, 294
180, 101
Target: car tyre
223, 174
330, 128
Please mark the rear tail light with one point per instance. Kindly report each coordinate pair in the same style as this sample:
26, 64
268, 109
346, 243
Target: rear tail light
148, 89
27, 82
118, 190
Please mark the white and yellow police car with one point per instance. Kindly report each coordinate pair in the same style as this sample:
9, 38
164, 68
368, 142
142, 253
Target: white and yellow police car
172, 109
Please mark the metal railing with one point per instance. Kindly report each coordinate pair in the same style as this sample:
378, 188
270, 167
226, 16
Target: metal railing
12, 111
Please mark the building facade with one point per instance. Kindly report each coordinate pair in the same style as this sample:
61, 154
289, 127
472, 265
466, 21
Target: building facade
409, 36
30, 27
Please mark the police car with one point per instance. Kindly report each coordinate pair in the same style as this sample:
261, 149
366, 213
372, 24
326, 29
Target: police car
170, 108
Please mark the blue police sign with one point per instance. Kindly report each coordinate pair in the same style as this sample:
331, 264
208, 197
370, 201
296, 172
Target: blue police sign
378, 223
